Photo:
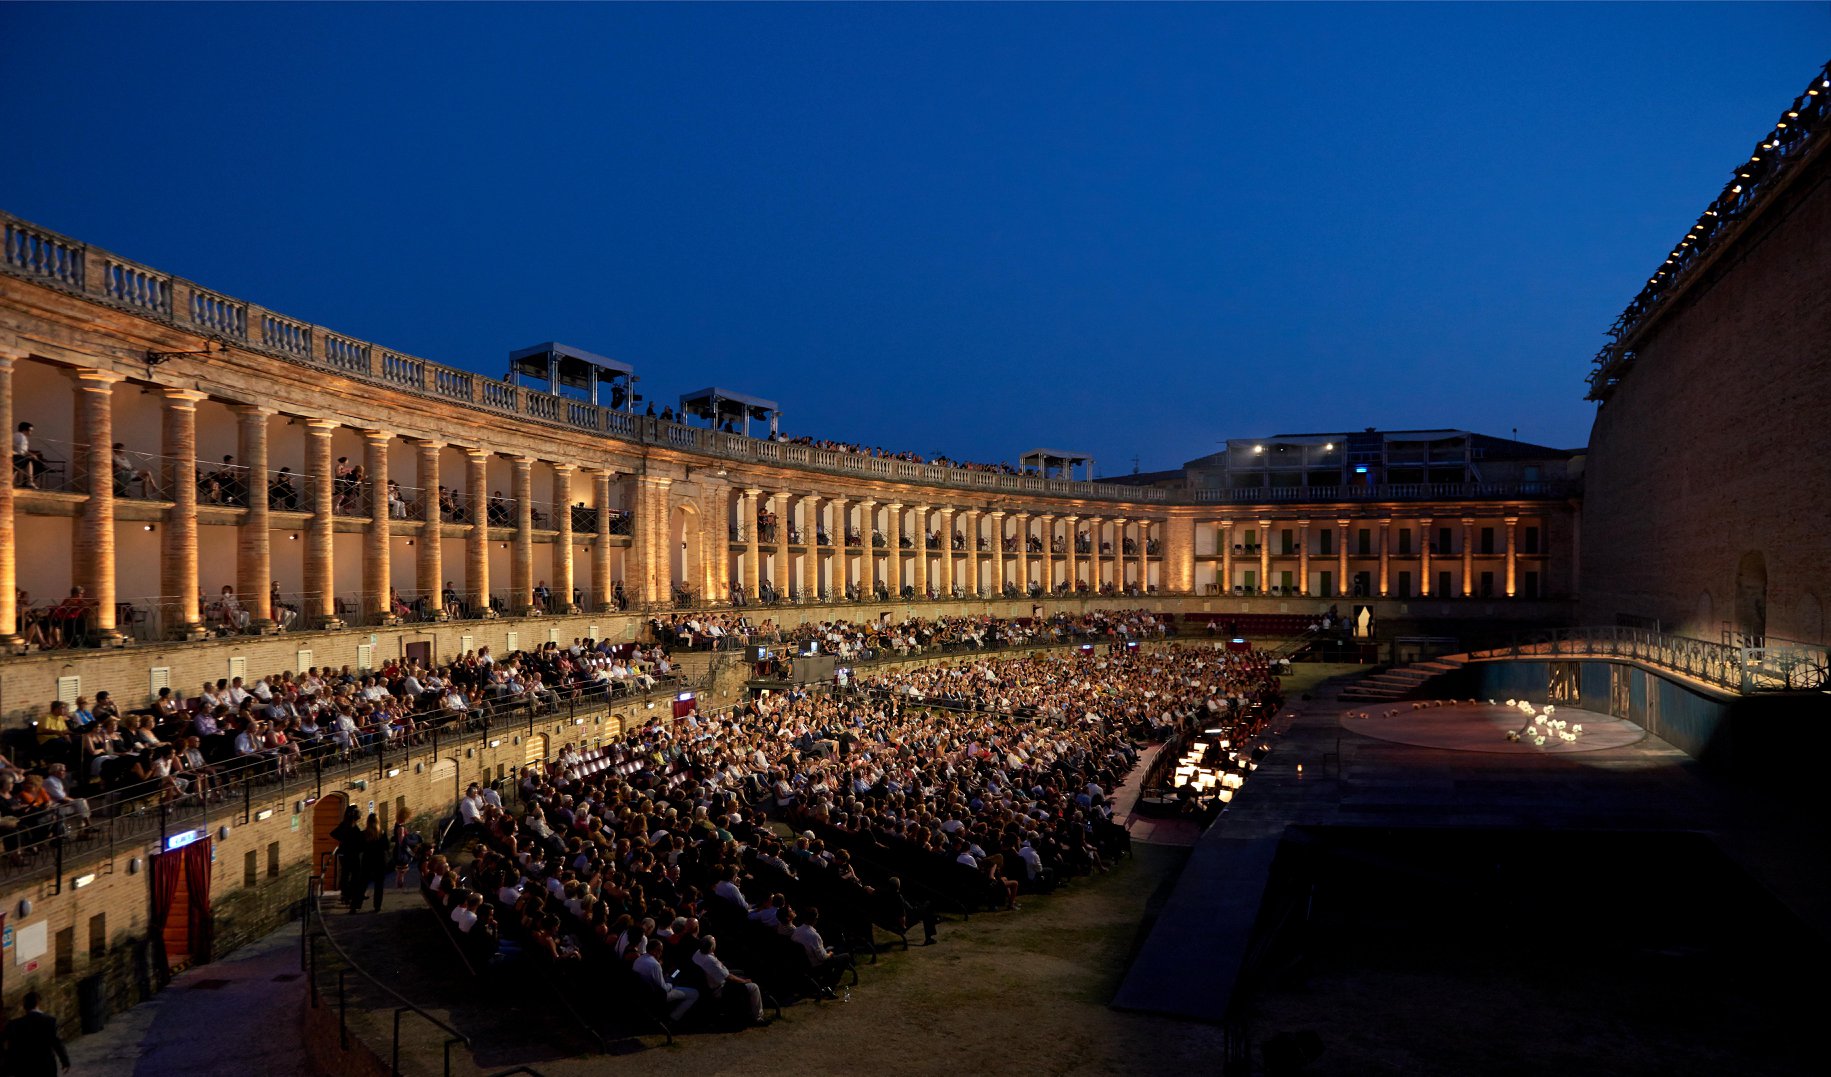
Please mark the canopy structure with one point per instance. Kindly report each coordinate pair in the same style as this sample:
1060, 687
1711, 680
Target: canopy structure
1056, 464
722, 407
561, 367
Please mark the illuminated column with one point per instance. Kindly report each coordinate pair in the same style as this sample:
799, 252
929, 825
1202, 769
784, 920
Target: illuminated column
1575, 576
1424, 557
1176, 571
1385, 557
894, 544
1512, 556
753, 542
600, 550
477, 551
1341, 557
1048, 574
1071, 568
1226, 537
429, 566
1023, 552
178, 554
320, 575
94, 546
998, 551
1144, 556
1265, 557
867, 562
1303, 557
254, 538
945, 554
562, 550
376, 569
657, 541
918, 523
839, 573
10, 639
810, 548
970, 525
521, 547
1468, 558
779, 578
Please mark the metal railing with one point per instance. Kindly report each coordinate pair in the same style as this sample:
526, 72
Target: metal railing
1770, 667
1794, 135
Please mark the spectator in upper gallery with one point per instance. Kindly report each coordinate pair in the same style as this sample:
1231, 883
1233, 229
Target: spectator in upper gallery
28, 463
127, 471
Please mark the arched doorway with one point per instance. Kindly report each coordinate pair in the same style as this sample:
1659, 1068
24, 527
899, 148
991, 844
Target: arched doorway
1751, 599
326, 814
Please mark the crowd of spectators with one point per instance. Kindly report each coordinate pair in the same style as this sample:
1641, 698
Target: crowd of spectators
855, 449
180, 748
707, 865
913, 635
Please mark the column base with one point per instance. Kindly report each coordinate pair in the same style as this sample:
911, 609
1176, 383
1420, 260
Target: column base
13, 645
386, 619
192, 631
110, 637
488, 614
570, 608
529, 611
441, 616
265, 627
331, 624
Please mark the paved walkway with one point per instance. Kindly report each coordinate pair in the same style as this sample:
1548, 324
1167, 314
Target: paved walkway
236, 1016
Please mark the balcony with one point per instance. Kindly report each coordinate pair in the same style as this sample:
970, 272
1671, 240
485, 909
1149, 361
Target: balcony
1544, 490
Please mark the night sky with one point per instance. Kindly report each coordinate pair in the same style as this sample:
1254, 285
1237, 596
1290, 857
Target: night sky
1132, 231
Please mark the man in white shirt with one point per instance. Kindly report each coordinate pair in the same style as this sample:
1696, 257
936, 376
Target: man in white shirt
648, 969
826, 964
465, 915
718, 976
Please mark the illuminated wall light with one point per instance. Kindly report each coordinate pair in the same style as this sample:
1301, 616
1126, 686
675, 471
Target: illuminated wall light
393, 771
264, 813
497, 743
82, 880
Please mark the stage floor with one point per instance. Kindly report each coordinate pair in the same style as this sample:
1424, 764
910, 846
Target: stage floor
1483, 727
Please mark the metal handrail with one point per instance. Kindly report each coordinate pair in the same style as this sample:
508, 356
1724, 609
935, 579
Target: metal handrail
1742, 669
314, 905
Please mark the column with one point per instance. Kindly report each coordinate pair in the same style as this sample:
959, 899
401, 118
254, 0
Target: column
1144, 556
376, 570
178, 553
1265, 557
867, 565
320, 602
1226, 541
429, 566
1071, 569
839, 571
998, 552
1424, 557
1385, 557
9, 564
254, 538
971, 528
1468, 558
600, 550
1576, 552
1023, 552
893, 535
562, 551
1303, 557
779, 505
918, 526
753, 542
1512, 557
521, 548
94, 545
1046, 523
477, 552
657, 551
810, 548
945, 555
1341, 558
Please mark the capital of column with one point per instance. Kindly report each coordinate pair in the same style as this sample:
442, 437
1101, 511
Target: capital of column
95, 380
997, 514
321, 427
183, 399
895, 506
522, 462
250, 411
476, 453
1468, 521
377, 437
1511, 520
428, 444
1265, 524
753, 491
949, 512
562, 469
1303, 523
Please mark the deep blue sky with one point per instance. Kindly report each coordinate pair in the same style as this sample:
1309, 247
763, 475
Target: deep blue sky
1128, 230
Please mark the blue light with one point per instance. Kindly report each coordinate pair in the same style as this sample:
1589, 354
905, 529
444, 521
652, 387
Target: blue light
182, 839
1360, 471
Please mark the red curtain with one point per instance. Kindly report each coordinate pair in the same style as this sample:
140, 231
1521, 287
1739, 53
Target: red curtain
164, 871
197, 864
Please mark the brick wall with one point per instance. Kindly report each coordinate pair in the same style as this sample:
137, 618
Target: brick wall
1716, 445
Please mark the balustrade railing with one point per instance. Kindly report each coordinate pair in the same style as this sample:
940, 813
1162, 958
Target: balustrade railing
1770, 667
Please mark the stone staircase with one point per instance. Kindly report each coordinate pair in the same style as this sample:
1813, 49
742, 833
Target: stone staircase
1399, 681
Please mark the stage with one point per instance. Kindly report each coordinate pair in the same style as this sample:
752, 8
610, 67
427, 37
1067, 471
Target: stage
1483, 727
